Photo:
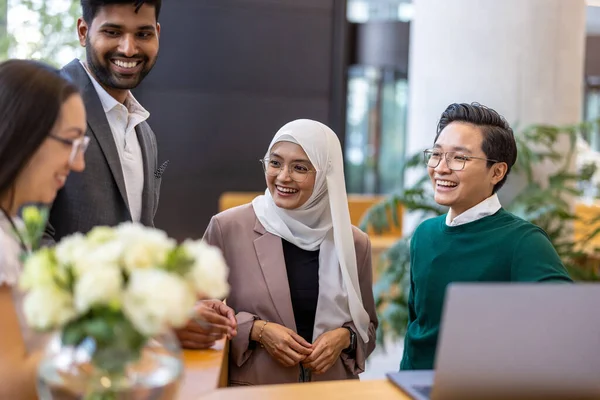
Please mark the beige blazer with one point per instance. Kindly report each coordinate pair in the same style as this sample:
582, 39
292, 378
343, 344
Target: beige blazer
260, 290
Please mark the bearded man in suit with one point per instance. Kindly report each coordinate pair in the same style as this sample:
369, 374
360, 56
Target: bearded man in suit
122, 177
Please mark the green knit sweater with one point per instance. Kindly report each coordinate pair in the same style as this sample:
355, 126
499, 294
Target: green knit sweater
496, 248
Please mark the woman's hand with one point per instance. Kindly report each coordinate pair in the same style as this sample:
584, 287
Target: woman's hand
213, 320
326, 350
283, 344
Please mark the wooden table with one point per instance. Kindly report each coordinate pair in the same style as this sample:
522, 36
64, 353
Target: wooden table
206, 378
205, 371
342, 390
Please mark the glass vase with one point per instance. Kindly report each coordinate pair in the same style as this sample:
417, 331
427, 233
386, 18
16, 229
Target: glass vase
69, 372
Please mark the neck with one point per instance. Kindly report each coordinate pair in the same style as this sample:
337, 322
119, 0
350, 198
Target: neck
5, 204
119, 95
455, 211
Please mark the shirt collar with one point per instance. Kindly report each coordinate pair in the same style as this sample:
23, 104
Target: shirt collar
487, 207
109, 102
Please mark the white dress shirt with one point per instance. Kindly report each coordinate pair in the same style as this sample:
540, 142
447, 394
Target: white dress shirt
123, 118
489, 206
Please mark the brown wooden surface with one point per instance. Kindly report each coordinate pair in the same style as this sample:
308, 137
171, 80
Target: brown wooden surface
205, 371
588, 221
342, 390
206, 378
358, 204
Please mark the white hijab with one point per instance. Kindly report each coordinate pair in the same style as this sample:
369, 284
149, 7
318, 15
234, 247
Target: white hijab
323, 223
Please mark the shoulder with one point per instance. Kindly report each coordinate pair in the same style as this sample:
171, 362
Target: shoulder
75, 73
236, 217
522, 229
362, 243
430, 224
10, 266
233, 227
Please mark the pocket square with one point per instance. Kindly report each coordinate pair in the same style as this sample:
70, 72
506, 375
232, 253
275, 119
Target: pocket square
159, 171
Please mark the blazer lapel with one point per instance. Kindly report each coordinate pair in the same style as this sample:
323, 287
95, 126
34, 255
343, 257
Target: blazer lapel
147, 193
270, 256
98, 123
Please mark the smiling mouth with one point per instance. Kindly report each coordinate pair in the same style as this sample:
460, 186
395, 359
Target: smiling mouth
286, 190
447, 184
126, 64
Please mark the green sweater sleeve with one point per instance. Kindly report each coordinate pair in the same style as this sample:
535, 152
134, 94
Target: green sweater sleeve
535, 259
412, 316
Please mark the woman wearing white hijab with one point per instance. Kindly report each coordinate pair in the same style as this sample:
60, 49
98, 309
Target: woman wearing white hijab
300, 273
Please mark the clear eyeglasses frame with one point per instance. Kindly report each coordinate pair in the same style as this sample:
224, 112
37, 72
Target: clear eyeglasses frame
455, 160
78, 145
297, 171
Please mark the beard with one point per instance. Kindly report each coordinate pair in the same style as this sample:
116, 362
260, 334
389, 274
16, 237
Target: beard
100, 67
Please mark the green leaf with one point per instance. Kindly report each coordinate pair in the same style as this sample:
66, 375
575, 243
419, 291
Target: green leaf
100, 329
179, 261
73, 333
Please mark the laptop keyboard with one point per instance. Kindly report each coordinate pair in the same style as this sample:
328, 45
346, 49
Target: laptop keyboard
423, 390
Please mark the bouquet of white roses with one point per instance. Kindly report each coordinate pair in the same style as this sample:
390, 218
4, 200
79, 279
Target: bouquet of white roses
119, 286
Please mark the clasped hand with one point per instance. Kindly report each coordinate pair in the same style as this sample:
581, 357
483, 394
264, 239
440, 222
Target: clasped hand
289, 348
326, 350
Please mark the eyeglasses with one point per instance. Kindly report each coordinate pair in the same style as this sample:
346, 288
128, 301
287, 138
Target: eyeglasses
78, 145
454, 160
297, 171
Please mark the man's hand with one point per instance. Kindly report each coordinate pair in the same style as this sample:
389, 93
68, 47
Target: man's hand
327, 349
283, 344
213, 320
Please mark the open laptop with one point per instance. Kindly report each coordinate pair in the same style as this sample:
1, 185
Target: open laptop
514, 340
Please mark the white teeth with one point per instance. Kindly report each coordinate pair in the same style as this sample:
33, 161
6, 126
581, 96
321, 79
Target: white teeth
286, 190
446, 183
124, 64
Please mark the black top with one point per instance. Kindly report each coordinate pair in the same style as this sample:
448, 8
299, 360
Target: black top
303, 277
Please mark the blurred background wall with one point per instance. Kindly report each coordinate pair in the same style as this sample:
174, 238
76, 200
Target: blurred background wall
231, 73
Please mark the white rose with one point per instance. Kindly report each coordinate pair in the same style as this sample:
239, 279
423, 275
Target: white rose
101, 234
48, 307
144, 247
156, 300
71, 248
37, 270
101, 284
109, 253
209, 272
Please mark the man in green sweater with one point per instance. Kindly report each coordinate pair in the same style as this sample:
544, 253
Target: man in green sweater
477, 241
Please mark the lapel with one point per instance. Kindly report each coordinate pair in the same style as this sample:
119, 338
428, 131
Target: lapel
269, 252
147, 192
97, 122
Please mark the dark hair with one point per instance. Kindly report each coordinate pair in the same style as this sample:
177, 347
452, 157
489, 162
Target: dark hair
498, 139
90, 8
31, 96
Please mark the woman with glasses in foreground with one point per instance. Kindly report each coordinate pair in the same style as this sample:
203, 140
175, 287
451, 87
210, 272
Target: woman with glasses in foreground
300, 273
42, 125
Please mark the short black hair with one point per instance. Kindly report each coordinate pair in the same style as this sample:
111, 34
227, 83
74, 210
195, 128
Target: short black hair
498, 137
90, 8
31, 96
